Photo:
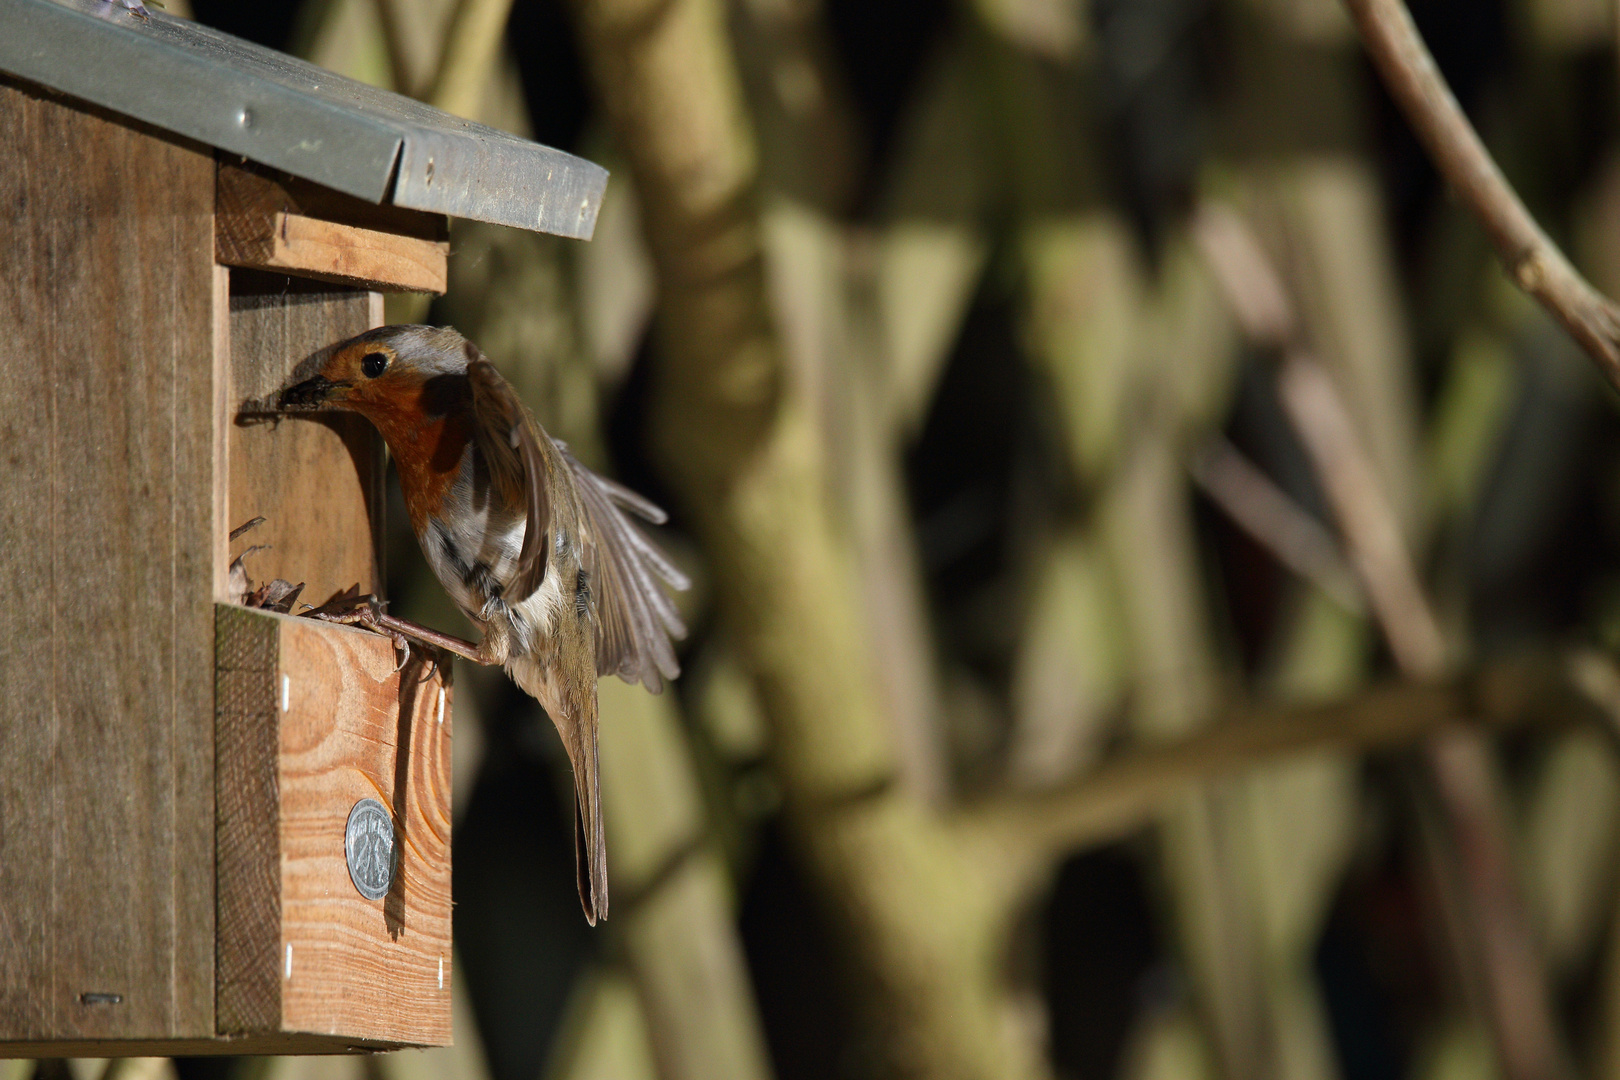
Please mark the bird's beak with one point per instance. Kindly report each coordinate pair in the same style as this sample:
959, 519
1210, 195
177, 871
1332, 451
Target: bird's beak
311, 394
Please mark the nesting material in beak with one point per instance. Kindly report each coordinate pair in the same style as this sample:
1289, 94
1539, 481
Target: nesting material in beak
308, 395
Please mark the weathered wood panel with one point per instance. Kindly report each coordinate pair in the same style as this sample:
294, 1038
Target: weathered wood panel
316, 720
269, 222
316, 479
106, 630
248, 816
279, 1043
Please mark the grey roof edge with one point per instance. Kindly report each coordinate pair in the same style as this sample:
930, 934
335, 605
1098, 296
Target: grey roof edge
290, 115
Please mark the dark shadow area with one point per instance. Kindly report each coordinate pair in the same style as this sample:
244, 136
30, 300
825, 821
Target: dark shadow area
1382, 973
804, 999
1099, 950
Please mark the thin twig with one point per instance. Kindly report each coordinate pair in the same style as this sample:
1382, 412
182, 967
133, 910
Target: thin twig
1372, 532
1253, 289
1259, 300
1531, 259
1263, 510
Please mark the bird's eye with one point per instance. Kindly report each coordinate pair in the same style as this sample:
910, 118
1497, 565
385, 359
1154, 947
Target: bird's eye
373, 364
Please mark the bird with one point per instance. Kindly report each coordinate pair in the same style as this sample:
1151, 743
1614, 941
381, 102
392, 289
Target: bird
537, 550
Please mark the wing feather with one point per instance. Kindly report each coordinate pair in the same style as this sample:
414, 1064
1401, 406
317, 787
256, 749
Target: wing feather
510, 447
636, 618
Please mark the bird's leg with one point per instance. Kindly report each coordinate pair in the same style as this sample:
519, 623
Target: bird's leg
368, 612
448, 642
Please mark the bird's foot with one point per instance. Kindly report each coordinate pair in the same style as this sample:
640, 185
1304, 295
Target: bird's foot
367, 611
352, 609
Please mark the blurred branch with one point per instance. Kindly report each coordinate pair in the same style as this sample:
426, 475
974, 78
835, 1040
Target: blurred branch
1531, 258
746, 454
1476, 853
1372, 533
805, 120
471, 43
1267, 514
471, 38
835, 349
1129, 791
391, 16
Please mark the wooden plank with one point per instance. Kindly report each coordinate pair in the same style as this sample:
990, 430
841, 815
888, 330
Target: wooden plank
28, 998
269, 222
328, 251
106, 639
223, 412
248, 816
316, 715
318, 480
279, 1044
377, 969
246, 183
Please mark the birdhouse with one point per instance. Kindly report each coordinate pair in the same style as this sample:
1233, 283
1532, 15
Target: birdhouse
223, 828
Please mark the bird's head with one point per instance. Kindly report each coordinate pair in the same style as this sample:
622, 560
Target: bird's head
382, 373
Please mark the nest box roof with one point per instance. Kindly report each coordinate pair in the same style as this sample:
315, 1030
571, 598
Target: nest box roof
290, 115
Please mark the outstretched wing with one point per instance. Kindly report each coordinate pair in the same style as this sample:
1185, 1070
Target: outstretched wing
517, 467
636, 619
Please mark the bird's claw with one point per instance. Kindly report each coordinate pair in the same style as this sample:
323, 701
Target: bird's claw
433, 669
403, 644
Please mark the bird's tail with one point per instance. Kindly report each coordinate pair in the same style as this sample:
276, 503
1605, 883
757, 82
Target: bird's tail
572, 705
590, 844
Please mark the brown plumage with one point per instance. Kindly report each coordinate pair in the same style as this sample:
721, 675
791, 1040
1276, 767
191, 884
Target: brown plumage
536, 549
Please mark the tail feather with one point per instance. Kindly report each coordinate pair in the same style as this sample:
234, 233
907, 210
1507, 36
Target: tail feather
590, 845
571, 703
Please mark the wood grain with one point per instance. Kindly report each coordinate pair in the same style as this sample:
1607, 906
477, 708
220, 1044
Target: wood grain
359, 969
270, 222
106, 632
247, 657
317, 480
355, 729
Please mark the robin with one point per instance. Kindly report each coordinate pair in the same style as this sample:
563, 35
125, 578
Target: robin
535, 548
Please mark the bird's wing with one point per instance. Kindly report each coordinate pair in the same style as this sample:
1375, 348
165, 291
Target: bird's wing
509, 444
635, 617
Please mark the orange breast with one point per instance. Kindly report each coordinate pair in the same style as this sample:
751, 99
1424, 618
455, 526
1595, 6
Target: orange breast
427, 451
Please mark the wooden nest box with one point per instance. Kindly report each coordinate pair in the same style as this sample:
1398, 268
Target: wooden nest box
188, 861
